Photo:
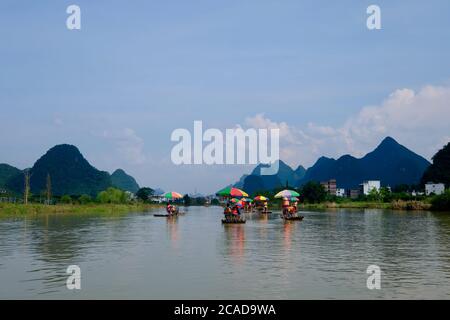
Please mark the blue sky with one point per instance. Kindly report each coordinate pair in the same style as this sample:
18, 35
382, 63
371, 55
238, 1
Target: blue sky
137, 70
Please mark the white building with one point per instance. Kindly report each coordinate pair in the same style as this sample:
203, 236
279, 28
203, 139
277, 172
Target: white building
369, 185
436, 188
340, 192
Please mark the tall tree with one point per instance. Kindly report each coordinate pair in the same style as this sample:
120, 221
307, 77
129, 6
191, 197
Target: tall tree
49, 188
26, 192
144, 194
312, 192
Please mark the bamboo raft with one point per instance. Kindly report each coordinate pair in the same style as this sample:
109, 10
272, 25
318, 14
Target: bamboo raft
296, 218
225, 221
168, 215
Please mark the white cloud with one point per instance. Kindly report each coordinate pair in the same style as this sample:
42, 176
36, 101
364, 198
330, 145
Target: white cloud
419, 120
129, 146
57, 121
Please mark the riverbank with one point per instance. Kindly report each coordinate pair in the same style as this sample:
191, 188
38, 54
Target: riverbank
21, 209
394, 205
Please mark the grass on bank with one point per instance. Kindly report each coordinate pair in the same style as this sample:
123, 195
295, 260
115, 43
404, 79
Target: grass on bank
96, 208
394, 205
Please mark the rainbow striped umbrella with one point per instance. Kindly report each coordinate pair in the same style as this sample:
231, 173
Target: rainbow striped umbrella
294, 199
261, 198
231, 192
287, 194
173, 195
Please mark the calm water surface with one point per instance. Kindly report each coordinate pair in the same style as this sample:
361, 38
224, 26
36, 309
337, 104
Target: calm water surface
195, 257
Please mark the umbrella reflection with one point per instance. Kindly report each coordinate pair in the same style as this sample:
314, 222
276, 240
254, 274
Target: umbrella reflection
289, 229
235, 241
172, 230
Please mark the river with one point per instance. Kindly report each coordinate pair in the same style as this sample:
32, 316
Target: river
194, 256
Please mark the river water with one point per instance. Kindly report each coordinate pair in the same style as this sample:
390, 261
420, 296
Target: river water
194, 256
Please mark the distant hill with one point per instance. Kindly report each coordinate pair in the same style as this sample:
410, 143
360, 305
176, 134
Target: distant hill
122, 180
70, 174
390, 162
6, 173
285, 176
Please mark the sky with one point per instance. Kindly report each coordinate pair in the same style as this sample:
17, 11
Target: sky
138, 70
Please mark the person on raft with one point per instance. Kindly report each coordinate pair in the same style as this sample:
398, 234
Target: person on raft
285, 206
265, 207
232, 213
294, 206
237, 213
228, 212
171, 209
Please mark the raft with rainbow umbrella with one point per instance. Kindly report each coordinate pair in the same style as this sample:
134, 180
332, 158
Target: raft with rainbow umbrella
232, 212
172, 210
289, 205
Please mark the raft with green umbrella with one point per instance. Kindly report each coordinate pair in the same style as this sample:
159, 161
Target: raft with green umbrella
171, 196
234, 193
292, 196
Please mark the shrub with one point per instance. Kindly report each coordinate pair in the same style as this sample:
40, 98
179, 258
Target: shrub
441, 202
113, 195
84, 199
66, 199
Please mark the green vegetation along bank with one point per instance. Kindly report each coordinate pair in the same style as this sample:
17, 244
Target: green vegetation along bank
8, 209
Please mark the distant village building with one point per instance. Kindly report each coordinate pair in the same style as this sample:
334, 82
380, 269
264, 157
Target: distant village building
131, 196
340, 192
157, 199
353, 193
329, 186
415, 193
369, 185
435, 188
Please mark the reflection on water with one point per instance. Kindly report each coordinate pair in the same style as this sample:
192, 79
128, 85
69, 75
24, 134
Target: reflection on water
235, 241
195, 256
172, 230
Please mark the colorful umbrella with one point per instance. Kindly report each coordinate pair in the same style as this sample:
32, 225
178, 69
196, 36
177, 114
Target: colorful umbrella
294, 199
172, 195
246, 200
231, 192
239, 204
287, 194
261, 198
234, 200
